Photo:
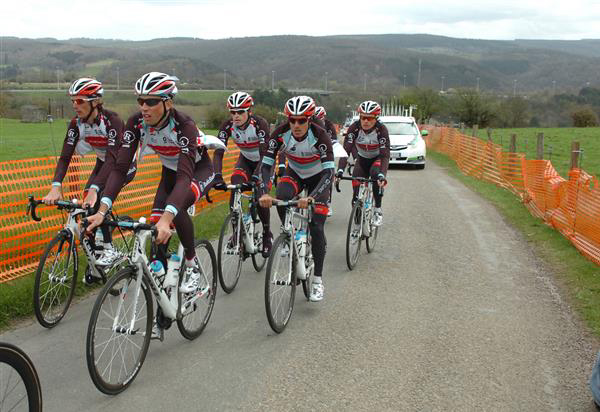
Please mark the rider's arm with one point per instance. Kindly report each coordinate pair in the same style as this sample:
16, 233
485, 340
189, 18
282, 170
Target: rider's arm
325, 148
268, 160
349, 143
117, 176
224, 133
114, 128
66, 154
262, 131
186, 165
384, 149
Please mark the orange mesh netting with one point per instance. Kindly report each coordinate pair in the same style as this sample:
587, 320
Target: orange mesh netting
24, 240
571, 206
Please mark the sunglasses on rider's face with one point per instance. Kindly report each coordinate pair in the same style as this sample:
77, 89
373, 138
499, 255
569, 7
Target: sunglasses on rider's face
148, 102
80, 101
367, 118
298, 120
239, 112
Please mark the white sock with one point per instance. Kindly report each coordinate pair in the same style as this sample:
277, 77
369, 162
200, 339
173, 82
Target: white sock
190, 263
377, 209
317, 280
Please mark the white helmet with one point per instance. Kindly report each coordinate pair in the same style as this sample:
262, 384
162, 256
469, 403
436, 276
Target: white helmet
300, 106
369, 107
320, 112
240, 101
156, 84
86, 87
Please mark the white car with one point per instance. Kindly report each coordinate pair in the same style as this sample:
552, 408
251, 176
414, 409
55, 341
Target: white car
406, 144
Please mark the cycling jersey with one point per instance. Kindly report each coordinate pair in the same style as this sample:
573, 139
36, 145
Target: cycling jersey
307, 157
248, 138
176, 146
330, 129
102, 137
370, 144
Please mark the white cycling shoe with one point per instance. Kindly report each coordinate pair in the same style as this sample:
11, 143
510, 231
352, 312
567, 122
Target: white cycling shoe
317, 292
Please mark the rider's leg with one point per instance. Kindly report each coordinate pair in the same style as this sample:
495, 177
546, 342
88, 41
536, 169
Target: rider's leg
287, 188
359, 171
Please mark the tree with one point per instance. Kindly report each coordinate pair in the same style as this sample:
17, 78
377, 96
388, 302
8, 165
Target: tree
471, 108
513, 112
584, 117
428, 102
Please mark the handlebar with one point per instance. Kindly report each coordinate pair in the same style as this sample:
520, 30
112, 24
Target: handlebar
125, 224
358, 179
61, 204
243, 187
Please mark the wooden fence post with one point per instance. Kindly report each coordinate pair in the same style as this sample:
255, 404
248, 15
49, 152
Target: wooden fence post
489, 134
475, 130
540, 146
513, 143
575, 155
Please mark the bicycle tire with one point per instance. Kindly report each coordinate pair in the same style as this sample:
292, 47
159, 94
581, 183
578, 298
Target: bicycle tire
278, 325
354, 236
184, 322
18, 360
307, 283
371, 240
258, 261
97, 325
229, 281
42, 287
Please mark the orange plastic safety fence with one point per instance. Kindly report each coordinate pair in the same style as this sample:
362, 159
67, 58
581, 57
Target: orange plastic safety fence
24, 240
571, 206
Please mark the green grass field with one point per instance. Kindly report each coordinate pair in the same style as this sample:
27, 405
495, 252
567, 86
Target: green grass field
25, 140
557, 141
578, 278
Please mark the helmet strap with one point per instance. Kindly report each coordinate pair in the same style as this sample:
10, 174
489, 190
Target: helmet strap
166, 114
92, 110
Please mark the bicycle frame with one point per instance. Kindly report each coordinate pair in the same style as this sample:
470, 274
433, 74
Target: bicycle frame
290, 229
237, 212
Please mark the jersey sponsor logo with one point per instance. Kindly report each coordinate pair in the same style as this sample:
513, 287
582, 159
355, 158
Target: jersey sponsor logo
272, 144
183, 143
382, 141
112, 134
261, 133
222, 135
128, 137
71, 136
323, 149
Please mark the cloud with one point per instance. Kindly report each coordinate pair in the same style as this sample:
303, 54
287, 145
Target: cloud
211, 19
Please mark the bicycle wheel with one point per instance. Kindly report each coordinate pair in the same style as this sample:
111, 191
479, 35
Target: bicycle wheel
20, 388
55, 280
354, 236
197, 307
230, 259
372, 239
123, 243
310, 268
119, 332
280, 284
258, 261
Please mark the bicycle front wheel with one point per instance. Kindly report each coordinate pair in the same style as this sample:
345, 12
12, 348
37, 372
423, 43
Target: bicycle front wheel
55, 280
119, 332
258, 261
354, 236
280, 284
230, 255
372, 239
196, 307
20, 388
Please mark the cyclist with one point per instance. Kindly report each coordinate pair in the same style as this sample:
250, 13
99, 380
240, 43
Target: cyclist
250, 133
93, 129
310, 165
320, 114
369, 139
187, 172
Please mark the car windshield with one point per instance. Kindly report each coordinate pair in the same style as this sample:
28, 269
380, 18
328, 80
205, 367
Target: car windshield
401, 128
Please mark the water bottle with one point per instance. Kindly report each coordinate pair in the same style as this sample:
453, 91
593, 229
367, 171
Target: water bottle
157, 269
247, 218
301, 242
368, 203
174, 265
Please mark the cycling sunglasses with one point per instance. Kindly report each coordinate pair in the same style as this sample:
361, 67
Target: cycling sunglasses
368, 118
298, 120
80, 100
240, 112
149, 102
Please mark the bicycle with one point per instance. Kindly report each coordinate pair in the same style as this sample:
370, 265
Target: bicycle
120, 327
291, 261
20, 388
56, 274
237, 241
360, 224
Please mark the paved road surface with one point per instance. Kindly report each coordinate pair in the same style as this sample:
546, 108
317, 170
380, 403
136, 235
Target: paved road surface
451, 312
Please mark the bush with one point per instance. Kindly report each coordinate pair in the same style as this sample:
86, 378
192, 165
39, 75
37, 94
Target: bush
584, 118
216, 115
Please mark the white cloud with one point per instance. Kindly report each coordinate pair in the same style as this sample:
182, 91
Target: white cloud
211, 19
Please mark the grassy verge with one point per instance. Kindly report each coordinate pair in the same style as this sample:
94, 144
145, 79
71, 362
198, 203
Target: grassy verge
16, 297
579, 276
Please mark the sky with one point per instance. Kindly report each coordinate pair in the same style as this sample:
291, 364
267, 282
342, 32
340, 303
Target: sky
218, 19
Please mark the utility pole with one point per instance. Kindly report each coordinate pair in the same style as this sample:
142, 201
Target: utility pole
272, 79
365, 83
553, 87
443, 77
515, 88
404, 81
326, 81
57, 79
419, 75
224, 79
117, 77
